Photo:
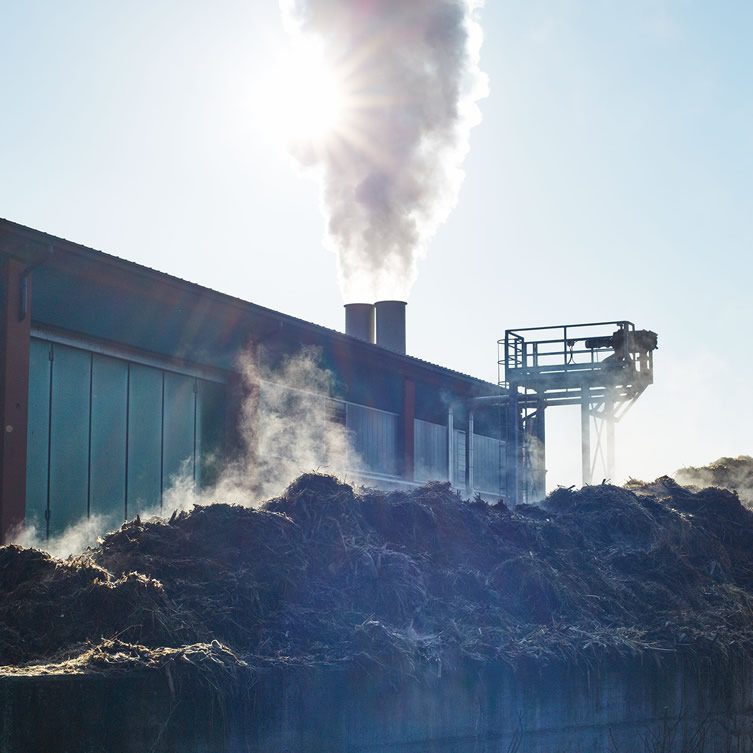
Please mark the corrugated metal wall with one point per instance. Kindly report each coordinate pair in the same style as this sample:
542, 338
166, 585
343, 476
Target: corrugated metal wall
108, 435
429, 451
374, 435
488, 465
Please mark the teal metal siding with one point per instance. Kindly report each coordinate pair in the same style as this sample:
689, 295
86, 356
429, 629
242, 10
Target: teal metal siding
109, 416
144, 439
210, 430
178, 427
107, 436
69, 437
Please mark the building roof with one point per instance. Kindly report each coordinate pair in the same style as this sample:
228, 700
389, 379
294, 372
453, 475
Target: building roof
37, 247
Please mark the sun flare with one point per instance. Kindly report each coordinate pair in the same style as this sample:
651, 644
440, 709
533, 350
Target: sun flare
307, 101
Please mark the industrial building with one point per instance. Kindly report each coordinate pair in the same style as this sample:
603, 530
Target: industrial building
116, 377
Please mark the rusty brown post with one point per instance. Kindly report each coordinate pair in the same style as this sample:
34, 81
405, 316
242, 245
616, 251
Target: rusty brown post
15, 334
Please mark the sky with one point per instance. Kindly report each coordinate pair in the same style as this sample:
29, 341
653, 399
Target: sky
611, 177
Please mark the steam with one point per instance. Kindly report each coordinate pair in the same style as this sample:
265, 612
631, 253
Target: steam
287, 427
735, 474
392, 170
74, 539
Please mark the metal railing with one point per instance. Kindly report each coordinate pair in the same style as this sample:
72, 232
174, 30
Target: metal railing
565, 348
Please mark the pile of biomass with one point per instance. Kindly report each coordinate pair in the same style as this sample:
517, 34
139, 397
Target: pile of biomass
325, 575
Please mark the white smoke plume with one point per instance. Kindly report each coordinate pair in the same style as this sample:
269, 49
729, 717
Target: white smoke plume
286, 428
409, 76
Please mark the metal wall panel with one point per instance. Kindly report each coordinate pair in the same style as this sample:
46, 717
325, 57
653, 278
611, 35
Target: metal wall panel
429, 451
38, 439
375, 437
178, 428
106, 435
144, 439
460, 464
109, 413
69, 437
210, 430
488, 455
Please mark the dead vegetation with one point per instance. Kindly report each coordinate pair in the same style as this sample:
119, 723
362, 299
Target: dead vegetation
390, 581
735, 474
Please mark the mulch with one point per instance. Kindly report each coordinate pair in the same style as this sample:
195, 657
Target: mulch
326, 575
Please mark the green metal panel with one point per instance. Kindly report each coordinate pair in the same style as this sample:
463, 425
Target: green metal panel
108, 436
144, 439
210, 430
38, 441
69, 437
178, 439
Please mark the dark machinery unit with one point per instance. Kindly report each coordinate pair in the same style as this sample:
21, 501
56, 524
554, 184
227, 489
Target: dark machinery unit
603, 367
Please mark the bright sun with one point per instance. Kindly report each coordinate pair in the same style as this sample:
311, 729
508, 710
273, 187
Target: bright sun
307, 101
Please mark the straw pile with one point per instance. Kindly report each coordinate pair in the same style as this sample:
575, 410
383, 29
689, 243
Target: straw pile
328, 576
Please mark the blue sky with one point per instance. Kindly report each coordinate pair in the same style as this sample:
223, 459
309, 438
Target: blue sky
610, 178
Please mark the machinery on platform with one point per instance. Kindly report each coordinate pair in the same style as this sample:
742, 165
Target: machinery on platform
603, 367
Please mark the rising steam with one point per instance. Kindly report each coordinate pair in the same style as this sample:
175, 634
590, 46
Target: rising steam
409, 77
286, 427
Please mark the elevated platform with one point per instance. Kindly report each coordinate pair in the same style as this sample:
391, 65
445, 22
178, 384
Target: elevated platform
560, 363
602, 366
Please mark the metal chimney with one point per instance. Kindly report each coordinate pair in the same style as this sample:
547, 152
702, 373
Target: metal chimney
359, 321
390, 325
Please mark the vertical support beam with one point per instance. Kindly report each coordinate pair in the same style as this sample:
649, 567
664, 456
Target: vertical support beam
513, 446
469, 459
585, 436
539, 485
409, 429
15, 334
610, 421
451, 446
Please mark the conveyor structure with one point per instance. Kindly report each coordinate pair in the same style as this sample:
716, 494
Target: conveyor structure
603, 367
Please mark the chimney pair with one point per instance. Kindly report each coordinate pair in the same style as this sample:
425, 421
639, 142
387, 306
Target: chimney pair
382, 323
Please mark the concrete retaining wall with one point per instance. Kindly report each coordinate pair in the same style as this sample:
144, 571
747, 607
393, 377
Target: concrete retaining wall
633, 708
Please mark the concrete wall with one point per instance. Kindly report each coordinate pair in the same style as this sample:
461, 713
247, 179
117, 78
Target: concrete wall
627, 709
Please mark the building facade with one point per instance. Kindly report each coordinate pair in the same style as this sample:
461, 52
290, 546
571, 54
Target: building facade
115, 378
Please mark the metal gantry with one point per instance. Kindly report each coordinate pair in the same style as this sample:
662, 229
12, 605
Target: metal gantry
603, 367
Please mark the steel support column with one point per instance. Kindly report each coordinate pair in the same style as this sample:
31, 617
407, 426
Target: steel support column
539, 486
585, 436
469, 456
15, 332
609, 417
451, 446
513, 449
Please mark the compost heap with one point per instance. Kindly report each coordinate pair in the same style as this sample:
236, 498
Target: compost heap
327, 576
727, 473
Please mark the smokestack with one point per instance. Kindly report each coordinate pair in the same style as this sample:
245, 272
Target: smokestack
359, 321
390, 325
